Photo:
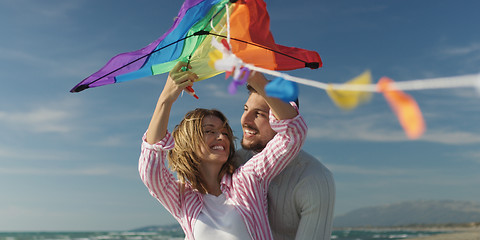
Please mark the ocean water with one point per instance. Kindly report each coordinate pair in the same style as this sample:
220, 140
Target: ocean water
175, 235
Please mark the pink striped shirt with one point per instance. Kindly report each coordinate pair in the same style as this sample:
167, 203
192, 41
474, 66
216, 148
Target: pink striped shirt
247, 187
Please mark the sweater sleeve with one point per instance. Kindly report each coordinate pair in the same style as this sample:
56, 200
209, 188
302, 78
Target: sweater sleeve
160, 182
286, 144
315, 198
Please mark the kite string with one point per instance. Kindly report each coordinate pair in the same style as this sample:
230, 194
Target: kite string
472, 80
228, 23
214, 16
445, 82
227, 12
213, 27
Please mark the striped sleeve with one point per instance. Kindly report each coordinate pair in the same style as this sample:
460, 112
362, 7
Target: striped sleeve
160, 182
283, 148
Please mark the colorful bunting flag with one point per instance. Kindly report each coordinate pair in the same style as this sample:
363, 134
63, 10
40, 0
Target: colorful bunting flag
350, 99
405, 107
283, 89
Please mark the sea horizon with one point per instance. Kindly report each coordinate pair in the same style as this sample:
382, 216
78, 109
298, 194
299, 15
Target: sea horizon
345, 234
174, 232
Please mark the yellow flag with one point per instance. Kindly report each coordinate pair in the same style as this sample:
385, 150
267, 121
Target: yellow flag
348, 99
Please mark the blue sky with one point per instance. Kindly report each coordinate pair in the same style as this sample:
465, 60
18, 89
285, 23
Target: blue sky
69, 161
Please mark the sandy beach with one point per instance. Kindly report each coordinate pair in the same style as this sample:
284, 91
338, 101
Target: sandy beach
459, 231
467, 235
458, 234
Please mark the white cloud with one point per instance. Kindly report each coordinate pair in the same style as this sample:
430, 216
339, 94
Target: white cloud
47, 66
9, 54
373, 177
466, 57
117, 140
352, 169
58, 10
394, 174
370, 131
51, 118
22, 153
219, 89
110, 170
46, 11
463, 50
365, 9
111, 141
473, 156
454, 137
371, 127
384, 126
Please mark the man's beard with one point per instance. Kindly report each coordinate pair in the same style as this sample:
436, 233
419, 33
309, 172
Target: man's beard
255, 146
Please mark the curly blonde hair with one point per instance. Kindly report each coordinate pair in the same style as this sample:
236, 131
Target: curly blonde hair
188, 136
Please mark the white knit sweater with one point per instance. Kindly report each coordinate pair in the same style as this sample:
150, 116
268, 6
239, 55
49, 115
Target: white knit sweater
300, 199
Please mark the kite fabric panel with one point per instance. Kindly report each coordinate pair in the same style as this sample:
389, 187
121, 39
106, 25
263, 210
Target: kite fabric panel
245, 23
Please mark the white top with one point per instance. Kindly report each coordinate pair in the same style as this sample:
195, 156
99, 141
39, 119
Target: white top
219, 220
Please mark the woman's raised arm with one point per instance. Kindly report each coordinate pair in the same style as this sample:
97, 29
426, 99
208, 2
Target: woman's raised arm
177, 81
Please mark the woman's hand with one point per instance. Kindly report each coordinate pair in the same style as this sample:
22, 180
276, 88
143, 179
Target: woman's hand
177, 81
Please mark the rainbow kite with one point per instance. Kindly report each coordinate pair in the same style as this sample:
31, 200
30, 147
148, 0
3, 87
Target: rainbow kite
246, 25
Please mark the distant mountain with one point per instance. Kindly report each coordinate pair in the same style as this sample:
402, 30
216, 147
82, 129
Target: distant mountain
411, 212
